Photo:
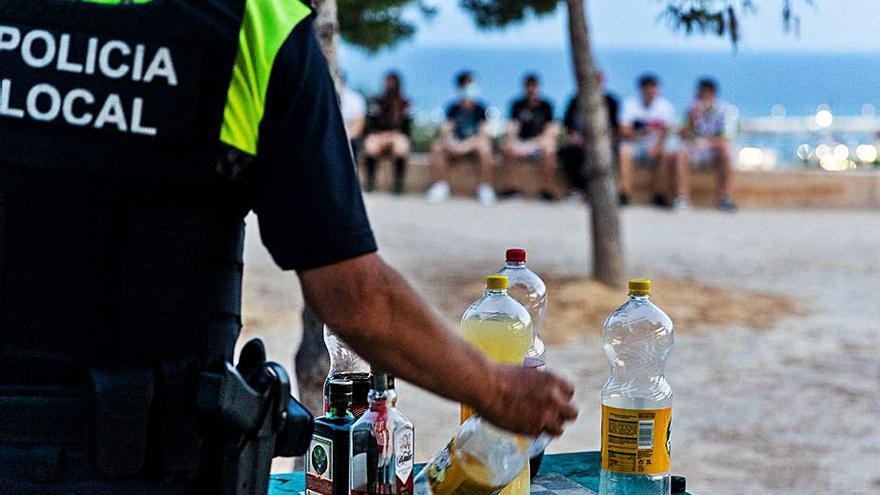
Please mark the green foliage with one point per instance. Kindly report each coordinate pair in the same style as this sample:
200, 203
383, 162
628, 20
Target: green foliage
501, 13
377, 24
721, 17
712, 17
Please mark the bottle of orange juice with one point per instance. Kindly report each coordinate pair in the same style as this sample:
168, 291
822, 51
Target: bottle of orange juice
502, 329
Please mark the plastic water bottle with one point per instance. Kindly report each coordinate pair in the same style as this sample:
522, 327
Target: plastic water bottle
345, 364
527, 288
502, 329
637, 399
480, 460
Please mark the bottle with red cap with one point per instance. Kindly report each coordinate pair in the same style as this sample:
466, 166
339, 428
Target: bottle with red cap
527, 288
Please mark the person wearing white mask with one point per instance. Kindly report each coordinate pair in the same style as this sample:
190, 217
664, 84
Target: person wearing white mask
464, 135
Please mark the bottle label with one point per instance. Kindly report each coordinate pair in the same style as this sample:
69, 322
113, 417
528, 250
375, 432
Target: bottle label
404, 454
319, 467
636, 441
448, 475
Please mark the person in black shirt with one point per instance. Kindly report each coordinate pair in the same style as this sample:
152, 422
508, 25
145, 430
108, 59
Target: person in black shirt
571, 154
531, 134
388, 128
464, 134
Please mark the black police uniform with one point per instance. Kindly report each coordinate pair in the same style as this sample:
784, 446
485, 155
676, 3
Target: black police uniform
134, 138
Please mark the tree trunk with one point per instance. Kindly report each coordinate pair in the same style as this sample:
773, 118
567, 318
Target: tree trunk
312, 362
327, 30
598, 155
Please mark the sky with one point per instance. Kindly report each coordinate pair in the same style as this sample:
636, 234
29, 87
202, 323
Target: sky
842, 26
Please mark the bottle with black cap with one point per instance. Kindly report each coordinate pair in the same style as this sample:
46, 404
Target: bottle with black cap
329, 458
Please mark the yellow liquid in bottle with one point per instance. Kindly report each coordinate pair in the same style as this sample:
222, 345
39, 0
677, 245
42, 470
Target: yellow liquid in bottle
505, 342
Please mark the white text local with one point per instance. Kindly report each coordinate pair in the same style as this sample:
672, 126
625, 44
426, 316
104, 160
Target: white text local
77, 107
113, 59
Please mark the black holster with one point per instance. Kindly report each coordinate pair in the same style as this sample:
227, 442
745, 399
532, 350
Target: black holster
255, 419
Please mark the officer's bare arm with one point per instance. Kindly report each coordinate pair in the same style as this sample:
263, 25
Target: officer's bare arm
373, 309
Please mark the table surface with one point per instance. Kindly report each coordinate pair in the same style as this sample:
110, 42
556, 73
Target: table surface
580, 467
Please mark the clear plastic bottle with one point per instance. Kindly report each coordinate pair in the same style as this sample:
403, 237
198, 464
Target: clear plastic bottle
345, 364
480, 460
383, 446
529, 290
636, 399
502, 328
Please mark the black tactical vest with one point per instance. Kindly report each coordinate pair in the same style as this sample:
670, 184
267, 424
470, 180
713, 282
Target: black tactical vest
121, 228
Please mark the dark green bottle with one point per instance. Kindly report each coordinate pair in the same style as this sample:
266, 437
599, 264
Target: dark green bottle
329, 458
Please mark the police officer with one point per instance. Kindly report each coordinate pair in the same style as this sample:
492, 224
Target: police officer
135, 135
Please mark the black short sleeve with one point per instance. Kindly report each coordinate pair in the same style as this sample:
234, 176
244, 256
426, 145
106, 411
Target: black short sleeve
306, 191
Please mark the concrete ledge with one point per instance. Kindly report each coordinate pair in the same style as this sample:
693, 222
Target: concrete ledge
777, 189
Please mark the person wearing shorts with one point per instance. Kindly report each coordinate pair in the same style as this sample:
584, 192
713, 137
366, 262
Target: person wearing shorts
387, 133
645, 123
706, 143
464, 135
531, 135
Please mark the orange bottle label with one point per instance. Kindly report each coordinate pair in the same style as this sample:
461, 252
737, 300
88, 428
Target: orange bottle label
636, 441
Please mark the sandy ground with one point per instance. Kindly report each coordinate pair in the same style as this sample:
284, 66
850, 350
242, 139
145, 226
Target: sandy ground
776, 366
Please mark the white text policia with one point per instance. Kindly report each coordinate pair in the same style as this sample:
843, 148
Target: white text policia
113, 59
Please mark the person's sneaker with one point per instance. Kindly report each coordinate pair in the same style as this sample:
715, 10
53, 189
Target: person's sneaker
547, 196
438, 192
623, 199
727, 204
508, 193
486, 195
680, 203
660, 201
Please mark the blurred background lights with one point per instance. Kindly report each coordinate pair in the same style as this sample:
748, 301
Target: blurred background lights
841, 152
824, 118
823, 151
750, 158
804, 152
869, 111
777, 110
866, 153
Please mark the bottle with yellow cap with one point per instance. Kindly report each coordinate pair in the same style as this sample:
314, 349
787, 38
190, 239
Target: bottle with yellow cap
636, 399
502, 329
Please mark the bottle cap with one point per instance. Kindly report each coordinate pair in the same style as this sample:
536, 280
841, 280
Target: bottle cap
516, 255
679, 484
496, 282
639, 287
380, 381
340, 390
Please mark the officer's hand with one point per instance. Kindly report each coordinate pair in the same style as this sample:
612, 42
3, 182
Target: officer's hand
525, 400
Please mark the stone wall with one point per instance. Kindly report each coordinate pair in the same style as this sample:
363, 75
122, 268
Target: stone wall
777, 189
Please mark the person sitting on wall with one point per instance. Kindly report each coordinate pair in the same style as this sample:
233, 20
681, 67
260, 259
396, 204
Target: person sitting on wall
387, 132
706, 142
464, 134
531, 134
645, 123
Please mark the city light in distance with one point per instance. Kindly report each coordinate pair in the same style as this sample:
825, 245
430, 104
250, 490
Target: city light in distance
866, 153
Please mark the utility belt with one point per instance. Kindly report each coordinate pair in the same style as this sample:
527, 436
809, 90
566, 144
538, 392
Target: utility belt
170, 430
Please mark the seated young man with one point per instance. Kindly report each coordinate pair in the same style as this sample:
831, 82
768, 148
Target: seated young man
571, 153
464, 134
387, 132
706, 142
531, 134
645, 123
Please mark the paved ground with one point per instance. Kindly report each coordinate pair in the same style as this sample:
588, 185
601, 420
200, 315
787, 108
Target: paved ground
793, 409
